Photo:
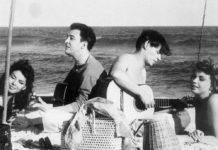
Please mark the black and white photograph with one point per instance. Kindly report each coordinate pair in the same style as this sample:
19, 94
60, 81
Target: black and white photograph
109, 74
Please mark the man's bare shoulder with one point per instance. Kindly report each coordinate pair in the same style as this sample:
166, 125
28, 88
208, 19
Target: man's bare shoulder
125, 58
122, 62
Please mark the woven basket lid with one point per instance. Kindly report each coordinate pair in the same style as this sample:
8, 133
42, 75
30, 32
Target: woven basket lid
159, 135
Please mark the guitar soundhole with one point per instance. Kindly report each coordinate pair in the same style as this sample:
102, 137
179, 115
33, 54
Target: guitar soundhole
140, 105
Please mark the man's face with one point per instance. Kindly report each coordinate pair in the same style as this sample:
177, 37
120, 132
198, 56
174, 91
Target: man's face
200, 83
73, 43
17, 82
152, 54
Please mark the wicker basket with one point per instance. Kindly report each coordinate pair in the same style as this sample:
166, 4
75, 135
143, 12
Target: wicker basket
159, 135
101, 137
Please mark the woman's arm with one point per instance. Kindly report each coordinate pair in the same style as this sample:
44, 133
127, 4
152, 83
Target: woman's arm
213, 113
1, 101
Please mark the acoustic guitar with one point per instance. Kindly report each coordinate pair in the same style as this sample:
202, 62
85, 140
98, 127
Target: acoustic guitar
131, 108
135, 109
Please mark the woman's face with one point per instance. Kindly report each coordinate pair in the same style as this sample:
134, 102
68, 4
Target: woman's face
201, 83
17, 82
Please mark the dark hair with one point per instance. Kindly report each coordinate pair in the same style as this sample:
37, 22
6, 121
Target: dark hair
209, 68
21, 99
86, 33
155, 39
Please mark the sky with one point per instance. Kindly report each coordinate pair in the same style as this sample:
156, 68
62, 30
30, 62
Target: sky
110, 12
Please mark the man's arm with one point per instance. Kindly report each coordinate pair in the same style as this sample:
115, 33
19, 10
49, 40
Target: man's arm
120, 76
84, 91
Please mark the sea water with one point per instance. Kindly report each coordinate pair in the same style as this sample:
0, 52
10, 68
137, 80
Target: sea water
44, 47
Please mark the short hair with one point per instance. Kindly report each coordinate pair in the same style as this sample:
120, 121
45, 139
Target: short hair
208, 67
86, 33
155, 39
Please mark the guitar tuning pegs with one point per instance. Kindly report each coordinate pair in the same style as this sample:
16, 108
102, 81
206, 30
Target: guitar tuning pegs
188, 100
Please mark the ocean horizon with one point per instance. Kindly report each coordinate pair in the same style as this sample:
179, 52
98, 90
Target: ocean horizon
44, 47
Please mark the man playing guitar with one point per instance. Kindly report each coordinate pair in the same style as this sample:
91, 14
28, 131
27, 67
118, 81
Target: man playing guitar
129, 70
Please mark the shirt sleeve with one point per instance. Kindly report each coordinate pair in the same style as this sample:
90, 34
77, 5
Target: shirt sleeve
85, 89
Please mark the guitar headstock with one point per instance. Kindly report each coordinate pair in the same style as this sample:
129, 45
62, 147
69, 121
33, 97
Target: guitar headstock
189, 100
184, 102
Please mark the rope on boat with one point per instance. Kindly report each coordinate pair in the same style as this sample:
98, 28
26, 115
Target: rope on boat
7, 62
202, 26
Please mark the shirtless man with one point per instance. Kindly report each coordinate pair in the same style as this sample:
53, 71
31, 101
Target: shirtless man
129, 70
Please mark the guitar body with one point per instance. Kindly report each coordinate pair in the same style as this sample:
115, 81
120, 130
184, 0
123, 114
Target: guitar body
133, 109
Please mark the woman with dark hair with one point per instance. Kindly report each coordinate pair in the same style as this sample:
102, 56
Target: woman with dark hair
21, 78
203, 86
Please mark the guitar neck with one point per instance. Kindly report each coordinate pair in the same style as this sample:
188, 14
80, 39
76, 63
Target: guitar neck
172, 102
163, 102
